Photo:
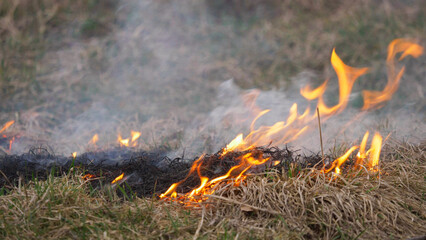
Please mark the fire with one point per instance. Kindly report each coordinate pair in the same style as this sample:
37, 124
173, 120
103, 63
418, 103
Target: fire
372, 155
118, 178
233, 144
338, 162
374, 152
6, 126
88, 176
207, 186
135, 135
94, 139
10, 143
374, 99
123, 142
296, 124
129, 141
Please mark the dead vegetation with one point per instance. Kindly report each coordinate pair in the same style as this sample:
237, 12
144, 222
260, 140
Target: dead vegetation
271, 204
60, 58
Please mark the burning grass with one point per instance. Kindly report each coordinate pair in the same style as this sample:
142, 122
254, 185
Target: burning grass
294, 204
145, 174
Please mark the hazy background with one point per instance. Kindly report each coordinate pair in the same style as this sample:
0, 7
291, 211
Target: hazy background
72, 69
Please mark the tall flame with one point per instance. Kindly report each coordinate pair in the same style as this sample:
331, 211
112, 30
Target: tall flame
297, 124
374, 99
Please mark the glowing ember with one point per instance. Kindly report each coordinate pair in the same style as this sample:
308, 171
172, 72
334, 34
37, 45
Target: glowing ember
297, 124
233, 144
10, 143
88, 176
118, 178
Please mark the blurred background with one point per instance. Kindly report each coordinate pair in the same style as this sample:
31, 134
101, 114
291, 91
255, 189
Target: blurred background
70, 69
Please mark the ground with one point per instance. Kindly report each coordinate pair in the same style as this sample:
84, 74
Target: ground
70, 69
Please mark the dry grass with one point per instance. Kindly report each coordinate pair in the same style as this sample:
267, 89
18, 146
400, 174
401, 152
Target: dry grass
61, 58
389, 205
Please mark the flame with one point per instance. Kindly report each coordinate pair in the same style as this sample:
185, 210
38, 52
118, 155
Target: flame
6, 126
135, 136
88, 176
207, 185
375, 99
94, 139
118, 178
233, 144
361, 155
372, 155
129, 141
374, 152
296, 124
123, 142
10, 143
339, 161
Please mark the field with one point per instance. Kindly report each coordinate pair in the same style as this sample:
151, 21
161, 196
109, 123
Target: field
70, 69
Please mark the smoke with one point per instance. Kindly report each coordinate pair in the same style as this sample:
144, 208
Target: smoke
158, 71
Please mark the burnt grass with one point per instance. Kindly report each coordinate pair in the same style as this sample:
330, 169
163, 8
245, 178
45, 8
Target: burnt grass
145, 173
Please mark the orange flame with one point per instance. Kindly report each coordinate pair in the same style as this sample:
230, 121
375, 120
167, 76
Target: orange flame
360, 157
6, 126
372, 155
94, 139
129, 141
338, 162
118, 178
88, 176
123, 142
375, 99
297, 124
10, 143
207, 186
374, 152
135, 136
